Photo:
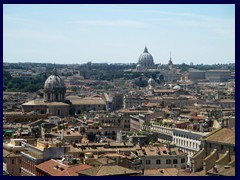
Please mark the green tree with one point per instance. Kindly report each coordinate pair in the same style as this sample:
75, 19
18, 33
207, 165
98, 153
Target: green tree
74, 88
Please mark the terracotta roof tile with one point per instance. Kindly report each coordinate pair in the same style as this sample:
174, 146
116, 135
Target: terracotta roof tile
50, 167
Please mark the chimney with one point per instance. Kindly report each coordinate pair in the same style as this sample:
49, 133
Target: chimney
215, 169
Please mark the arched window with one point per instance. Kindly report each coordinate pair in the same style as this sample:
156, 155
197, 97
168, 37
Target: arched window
175, 161
158, 161
168, 161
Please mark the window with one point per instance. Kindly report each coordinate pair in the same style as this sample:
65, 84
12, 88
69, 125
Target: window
158, 161
175, 161
48, 96
12, 161
20, 170
20, 161
12, 170
221, 147
210, 145
234, 149
168, 161
183, 160
148, 161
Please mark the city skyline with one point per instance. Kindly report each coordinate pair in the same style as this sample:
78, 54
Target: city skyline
76, 34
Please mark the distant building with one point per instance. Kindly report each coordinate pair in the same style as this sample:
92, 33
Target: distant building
218, 75
133, 101
195, 75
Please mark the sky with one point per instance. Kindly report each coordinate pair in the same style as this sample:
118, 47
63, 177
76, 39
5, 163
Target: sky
114, 33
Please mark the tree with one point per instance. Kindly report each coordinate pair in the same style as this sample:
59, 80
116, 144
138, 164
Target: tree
74, 88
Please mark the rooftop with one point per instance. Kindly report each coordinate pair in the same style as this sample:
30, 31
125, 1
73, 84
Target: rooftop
88, 100
41, 102
55, 168
224, 135
108, 171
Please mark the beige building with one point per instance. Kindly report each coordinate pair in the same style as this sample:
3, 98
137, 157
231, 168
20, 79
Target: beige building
60, 109
218, 75
22, 117
80, 105
131, 101
162, 157
217, 153
12, 156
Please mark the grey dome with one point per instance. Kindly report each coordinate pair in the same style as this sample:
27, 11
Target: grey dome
146, 59
54, 81
138, 67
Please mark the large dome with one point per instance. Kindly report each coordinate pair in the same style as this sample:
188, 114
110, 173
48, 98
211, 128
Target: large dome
146, 59
54, 81
54, 88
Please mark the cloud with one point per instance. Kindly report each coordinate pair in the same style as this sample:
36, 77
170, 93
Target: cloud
220, 26
17, 20
115, 23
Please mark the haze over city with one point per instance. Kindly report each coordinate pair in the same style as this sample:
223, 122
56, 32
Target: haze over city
202, 34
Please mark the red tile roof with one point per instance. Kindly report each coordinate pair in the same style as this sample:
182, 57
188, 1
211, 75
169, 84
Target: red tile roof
50, 167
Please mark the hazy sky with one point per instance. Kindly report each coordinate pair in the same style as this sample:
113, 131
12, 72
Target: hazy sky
118, 33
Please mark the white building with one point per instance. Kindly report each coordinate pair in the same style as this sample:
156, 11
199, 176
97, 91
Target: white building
187, 141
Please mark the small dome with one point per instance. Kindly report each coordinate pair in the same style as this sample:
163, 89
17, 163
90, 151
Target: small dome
177, 87
54, 81
138, 67
151, 82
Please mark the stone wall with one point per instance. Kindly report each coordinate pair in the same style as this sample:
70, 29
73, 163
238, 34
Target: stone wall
197, 160
210, 160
